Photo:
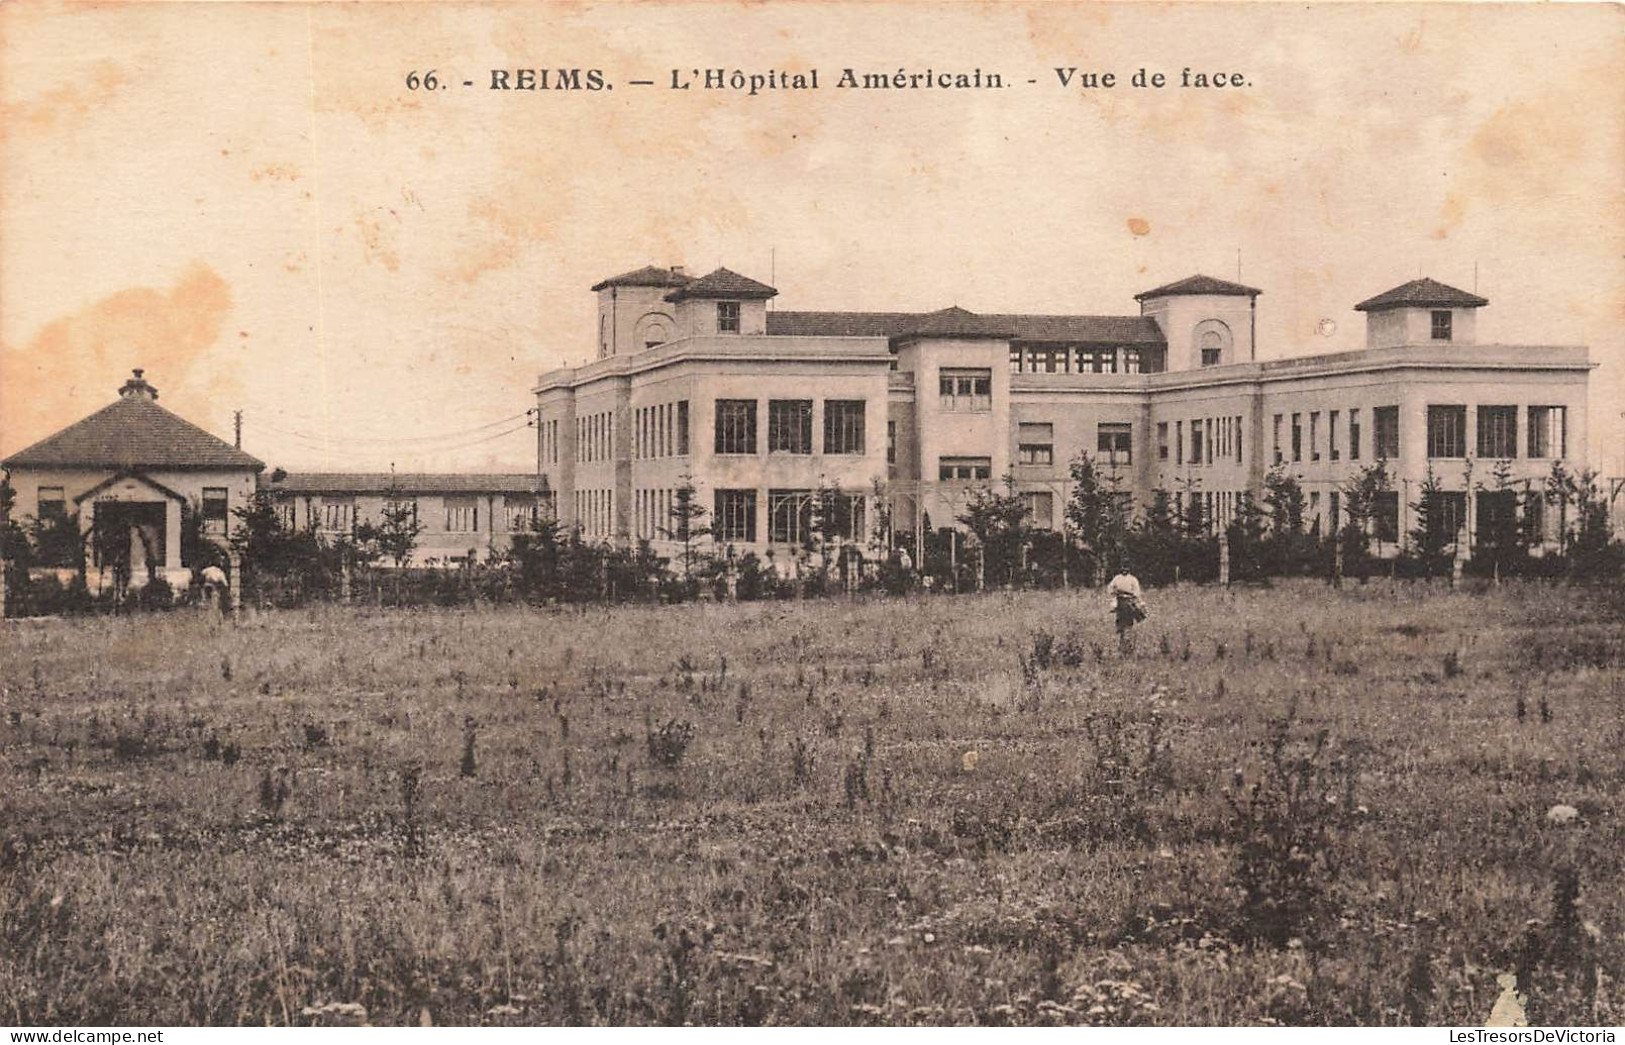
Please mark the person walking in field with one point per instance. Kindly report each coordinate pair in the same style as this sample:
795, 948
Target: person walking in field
1128, 605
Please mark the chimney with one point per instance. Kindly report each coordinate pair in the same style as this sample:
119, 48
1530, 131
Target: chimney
677, 270
137, 388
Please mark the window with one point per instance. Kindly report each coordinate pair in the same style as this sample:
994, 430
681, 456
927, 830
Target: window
1331, 435
338, 514
1179, 442
1131, 361
1534, 515
1385, 515
1497, 515
285, 514
1386, 436
1035, 443
1212, 348
1354, 434
682, 428
1297, 437
736, 426
1278, 457
1314, 435
521, 512
734, 518
1162, 440
1447, 511
1441, 325
1115, 442
53, 503
1196, 442
789, 426
1498, 431
951, 469
1335, 512
214, 509
1097, 361
727, 317
1238, 439
1017, 353
1447, 431
1040, 505
891, 442
1548, 431
843, 426
966, 391
462, 514
789, 513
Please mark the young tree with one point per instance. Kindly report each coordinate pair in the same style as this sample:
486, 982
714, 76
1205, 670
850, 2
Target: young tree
1361, 494
1499, 536
536, 553
829, 522
686, 521
999, 523
1097, 513
398, 527
1429, 538
1284, 504
1156, 541
1246, 537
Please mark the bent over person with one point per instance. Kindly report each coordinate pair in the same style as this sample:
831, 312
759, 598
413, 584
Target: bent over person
1128, 604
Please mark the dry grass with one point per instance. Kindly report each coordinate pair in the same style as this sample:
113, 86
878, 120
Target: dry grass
771, 813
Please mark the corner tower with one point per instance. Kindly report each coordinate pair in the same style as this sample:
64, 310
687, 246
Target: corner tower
1421, 312
632, 312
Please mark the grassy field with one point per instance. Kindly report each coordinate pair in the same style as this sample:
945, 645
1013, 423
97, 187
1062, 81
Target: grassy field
1286, 805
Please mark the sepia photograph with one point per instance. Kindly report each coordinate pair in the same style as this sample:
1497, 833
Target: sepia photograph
790, 514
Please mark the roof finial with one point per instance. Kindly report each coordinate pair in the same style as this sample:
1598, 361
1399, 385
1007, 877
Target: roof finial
137, 388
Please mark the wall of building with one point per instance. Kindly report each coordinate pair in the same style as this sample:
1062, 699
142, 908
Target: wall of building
1179, 316
629, 317
490, 534
1414, 326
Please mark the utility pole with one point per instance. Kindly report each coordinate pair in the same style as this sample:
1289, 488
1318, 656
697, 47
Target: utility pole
237, 424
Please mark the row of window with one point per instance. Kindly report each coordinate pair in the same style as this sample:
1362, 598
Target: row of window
1497, 434
652, 514
1385, 442
550, 442
339, 514
1035, 447
966, 390
1213, 439
595, 437
660, 431
790, 426
1079, 359
595, 513
790, 516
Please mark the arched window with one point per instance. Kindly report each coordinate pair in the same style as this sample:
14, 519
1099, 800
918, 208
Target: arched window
1212, 342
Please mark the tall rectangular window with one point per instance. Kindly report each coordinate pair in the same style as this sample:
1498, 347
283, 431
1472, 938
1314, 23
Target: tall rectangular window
1441, 325
682, 428
338, 514
1385, 515
964, 469
1447, 431
891, 442
1035, 443
1297, 437
734, 516
214, 509
1115, 443
1196, 442
1179, 442
1548, 431
1447, 510
1238, 439
462, 514
1385, 437
521, 512
736, 426
789, 513
1277, 443
1314, 435
789, 426
1040, 505
1331, 435
1162, 440
966, 390
1354, 434
727, 317
1131, 361
844, 426
1498, 431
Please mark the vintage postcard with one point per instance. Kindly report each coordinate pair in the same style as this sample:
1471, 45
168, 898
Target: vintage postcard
811, 514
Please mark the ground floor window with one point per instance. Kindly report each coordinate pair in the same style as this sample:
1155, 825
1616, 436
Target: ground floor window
789, 513
734, 516
1385, 515
1040, 505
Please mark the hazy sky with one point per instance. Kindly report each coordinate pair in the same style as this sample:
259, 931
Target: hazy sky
247, 201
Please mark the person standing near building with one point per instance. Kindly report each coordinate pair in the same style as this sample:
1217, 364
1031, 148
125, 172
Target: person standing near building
1128, 604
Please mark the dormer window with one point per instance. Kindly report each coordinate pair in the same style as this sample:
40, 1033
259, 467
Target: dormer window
1441, 325
727, 317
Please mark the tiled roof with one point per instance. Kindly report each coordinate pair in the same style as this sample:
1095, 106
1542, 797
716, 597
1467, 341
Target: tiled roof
1195, 285
723, 283
647, 276
1421, 293
404, 482
1118, 330
133, 433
